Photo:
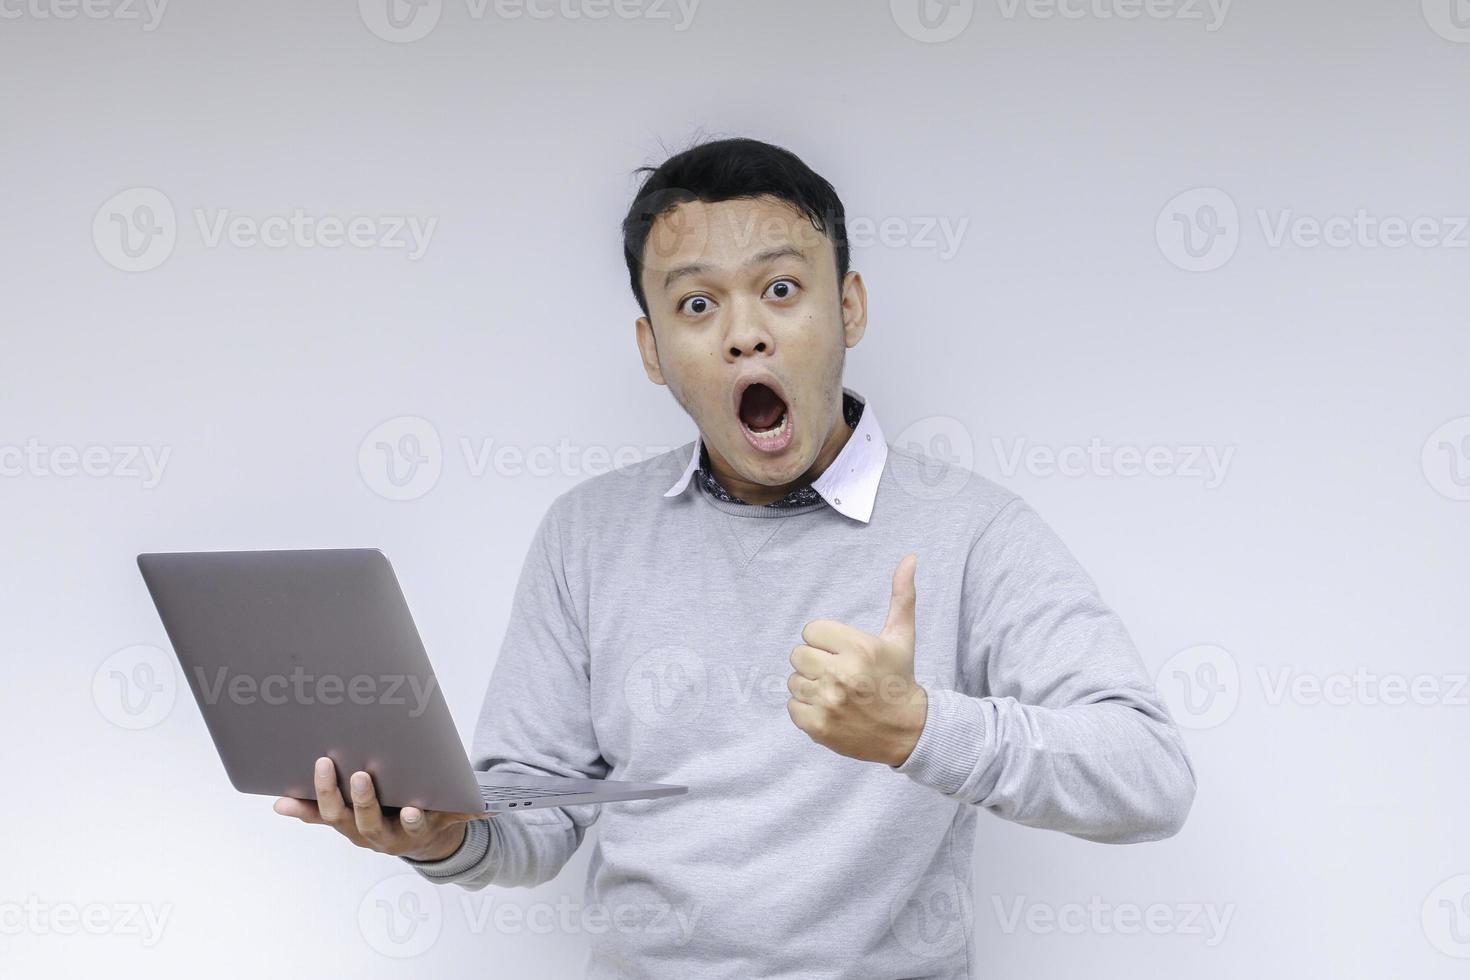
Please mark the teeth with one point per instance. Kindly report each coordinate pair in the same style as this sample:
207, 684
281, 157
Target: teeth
775, 433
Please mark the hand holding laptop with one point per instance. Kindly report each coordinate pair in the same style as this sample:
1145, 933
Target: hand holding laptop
301, 655
423, 835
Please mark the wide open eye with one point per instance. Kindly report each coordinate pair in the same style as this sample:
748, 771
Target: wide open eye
696, 305
783, 289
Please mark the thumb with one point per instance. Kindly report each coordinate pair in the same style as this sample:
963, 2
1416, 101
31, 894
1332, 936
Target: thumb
900, 625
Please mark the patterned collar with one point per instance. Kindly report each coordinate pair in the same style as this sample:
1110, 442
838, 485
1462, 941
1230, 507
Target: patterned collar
849, 484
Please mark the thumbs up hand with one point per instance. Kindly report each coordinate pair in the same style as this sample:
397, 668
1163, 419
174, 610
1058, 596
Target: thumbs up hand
855, 692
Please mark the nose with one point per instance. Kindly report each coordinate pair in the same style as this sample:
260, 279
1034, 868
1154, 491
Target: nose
747, 335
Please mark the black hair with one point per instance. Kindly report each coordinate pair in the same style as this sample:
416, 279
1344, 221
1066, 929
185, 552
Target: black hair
725, 170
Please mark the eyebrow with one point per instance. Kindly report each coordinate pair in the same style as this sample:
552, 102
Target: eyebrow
769, 255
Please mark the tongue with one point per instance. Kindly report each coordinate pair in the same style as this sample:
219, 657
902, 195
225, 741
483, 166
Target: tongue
760, 408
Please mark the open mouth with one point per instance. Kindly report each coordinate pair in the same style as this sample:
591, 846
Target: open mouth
765, 418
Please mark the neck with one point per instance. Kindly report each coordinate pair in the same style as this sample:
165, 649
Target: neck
764, 493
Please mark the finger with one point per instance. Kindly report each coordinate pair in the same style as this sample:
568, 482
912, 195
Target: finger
328, 796
803, 689
416, 823
807, 717
832, 636
899, 627
365, 810
303, 810
810, 662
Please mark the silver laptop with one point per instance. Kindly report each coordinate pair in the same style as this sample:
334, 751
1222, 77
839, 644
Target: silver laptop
293, 655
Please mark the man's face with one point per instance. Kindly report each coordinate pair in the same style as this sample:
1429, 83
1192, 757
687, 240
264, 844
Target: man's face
743, 291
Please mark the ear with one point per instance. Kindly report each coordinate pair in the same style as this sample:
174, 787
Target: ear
854, 309
648, 350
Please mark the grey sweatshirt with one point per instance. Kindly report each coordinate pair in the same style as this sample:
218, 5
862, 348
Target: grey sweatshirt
649, 640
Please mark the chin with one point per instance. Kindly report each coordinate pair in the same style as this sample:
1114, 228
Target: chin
773, 470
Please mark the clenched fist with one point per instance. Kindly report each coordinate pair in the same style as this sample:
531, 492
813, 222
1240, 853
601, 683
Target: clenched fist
855, 692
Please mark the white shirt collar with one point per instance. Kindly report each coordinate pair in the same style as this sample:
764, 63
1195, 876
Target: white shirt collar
850, 483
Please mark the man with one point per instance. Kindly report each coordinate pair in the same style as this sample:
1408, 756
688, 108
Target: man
844, 648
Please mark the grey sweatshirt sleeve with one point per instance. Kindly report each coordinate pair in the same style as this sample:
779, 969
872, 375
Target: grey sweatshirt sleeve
536, 719
1053, 721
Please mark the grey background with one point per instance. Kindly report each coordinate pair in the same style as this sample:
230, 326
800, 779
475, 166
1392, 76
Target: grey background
1329, 837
